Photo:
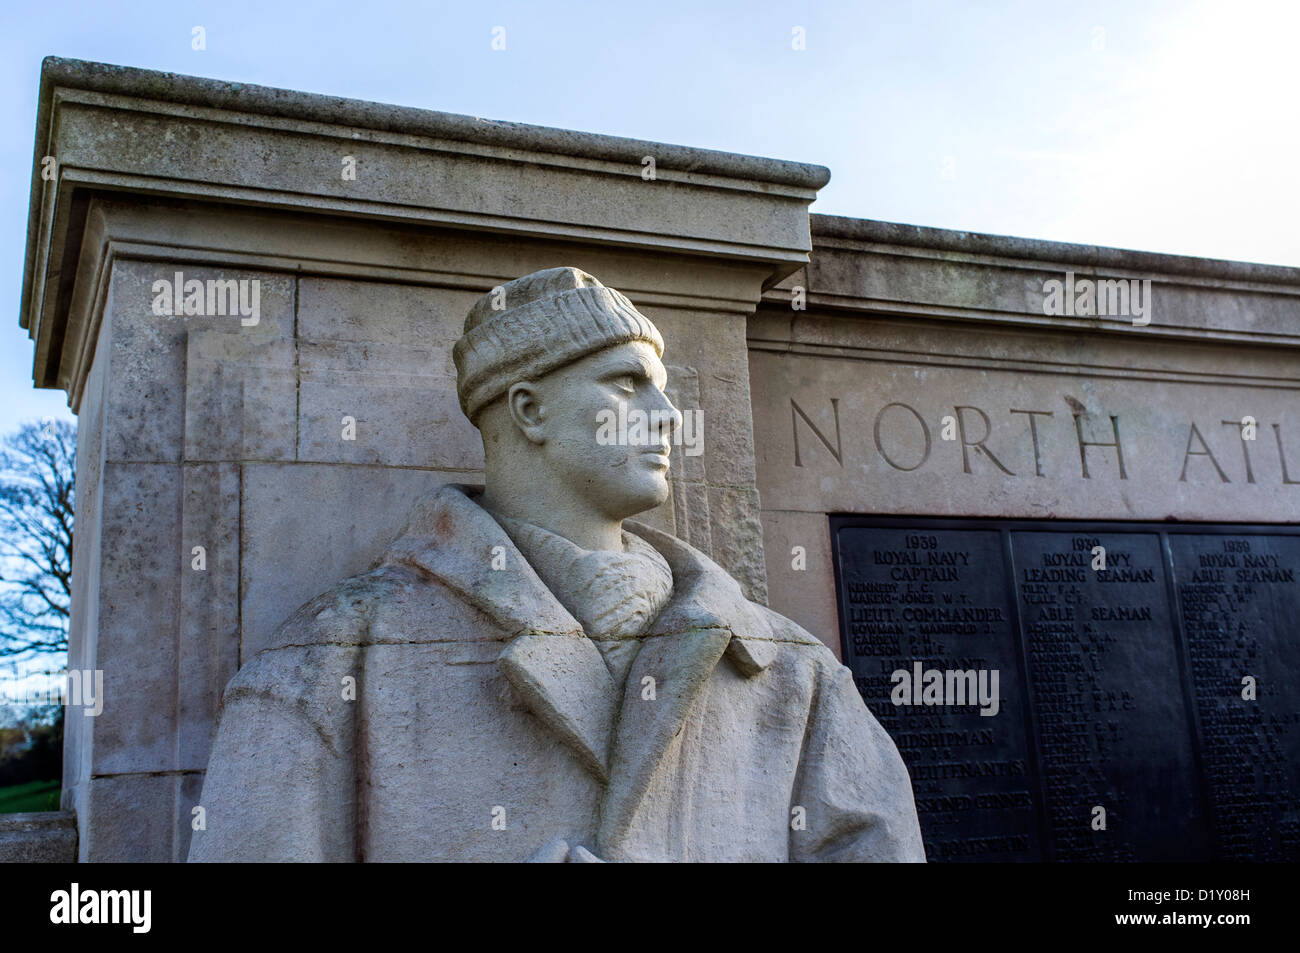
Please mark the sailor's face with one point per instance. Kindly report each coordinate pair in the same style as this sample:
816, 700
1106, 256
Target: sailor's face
609, 427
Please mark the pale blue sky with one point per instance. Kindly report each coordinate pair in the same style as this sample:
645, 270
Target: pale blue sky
1166, 126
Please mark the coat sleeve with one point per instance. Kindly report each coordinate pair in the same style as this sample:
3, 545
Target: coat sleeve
281, 780
852, 783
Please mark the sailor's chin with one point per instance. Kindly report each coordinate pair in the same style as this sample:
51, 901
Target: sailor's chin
647, 496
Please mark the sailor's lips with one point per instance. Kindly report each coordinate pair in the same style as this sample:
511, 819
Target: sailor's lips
658, 454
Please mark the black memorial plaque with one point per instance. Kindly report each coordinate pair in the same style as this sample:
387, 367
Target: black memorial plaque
1114, 725
939, 599
1240, 607
1125, 686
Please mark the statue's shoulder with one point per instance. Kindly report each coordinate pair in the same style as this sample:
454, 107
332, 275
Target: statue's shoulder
816, 652
787, 630
304, 666
344, 614
403, 585
324, 632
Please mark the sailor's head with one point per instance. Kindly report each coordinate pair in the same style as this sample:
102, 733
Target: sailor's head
564, 377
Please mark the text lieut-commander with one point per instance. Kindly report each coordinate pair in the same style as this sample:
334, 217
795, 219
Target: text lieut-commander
525, 676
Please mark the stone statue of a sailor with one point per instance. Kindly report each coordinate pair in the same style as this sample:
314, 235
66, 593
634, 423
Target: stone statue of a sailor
528, 675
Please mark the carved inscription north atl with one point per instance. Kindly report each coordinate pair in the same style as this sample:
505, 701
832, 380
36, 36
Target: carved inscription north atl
903, 438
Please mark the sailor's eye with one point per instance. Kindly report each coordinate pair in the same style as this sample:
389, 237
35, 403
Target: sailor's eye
625, 381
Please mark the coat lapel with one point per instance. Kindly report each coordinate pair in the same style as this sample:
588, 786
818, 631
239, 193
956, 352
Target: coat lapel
550, 662
559, 672
708, 617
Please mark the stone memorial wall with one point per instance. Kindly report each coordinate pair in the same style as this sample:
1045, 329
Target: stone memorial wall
937, 460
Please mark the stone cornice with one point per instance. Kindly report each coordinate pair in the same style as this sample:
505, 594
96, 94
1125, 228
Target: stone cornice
828, 228
871, 268
143, 135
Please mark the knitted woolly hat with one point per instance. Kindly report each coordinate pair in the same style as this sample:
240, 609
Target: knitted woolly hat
535, 324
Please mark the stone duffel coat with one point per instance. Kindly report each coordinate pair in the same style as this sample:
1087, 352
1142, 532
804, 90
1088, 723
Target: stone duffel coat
439, 709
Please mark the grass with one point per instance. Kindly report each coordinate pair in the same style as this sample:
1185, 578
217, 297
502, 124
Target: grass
32, 796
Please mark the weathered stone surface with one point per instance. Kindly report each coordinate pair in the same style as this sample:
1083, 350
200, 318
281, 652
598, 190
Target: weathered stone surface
969, 276
209, 626
139, 618
40, 838
189, 790
161, 409
807, 593
738, 537
146, 389
451, 734
241, 397
344, 516
381, 355
83, 622
378, 417
128, 818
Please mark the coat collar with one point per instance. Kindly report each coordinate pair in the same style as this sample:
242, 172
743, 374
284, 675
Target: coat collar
559, 672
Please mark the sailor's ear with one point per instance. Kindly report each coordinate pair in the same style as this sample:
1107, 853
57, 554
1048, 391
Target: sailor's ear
527, 410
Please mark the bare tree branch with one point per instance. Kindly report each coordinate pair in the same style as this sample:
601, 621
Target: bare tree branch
37, 494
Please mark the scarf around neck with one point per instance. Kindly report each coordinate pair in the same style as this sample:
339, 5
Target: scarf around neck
615, 597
